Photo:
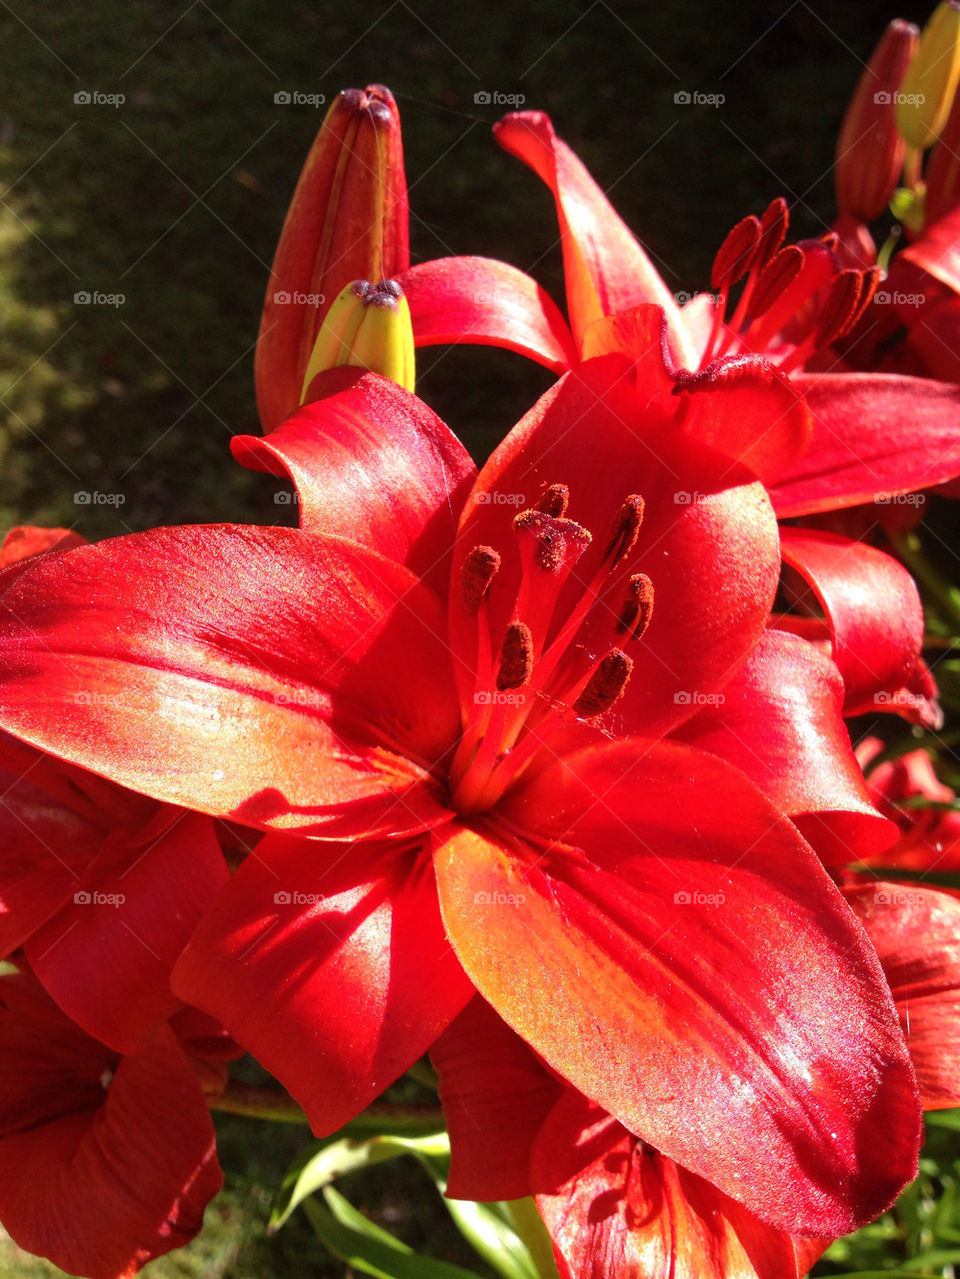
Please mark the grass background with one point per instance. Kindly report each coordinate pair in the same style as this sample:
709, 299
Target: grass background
175, 198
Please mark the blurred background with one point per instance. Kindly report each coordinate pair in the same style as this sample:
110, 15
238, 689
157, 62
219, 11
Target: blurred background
145, 159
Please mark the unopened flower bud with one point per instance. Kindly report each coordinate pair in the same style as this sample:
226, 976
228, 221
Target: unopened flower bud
926, 94
348, 220
870, 149
368, 327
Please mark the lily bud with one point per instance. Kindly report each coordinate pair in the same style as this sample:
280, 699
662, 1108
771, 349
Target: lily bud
926, 93
870, 150
369, 327
348, 220
943, 170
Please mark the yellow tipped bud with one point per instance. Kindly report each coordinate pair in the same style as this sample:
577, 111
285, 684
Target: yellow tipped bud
369, 327
927, 91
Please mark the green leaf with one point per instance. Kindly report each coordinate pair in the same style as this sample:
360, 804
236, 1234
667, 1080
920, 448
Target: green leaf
338, 1155
492, 1228
368, 1248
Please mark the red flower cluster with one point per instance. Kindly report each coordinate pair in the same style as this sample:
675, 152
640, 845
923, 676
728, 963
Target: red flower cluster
549, 784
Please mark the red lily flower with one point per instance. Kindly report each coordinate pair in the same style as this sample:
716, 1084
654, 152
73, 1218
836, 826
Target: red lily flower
614, 1206
929, 833
99, 886
872, 434
463, 820
109, 1160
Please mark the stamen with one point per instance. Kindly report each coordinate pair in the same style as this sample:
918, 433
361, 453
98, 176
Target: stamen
842, 304
735, 256
605, 686
637, 607
775, 278
554, 500
476, 576
626, 526
516, 657
773, 231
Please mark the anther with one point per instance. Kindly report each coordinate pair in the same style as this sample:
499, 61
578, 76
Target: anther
626, 526
637, 608
605, 685
516, 657
554, 500
476, 575
736, 255
775, 278
841, 307
773, 231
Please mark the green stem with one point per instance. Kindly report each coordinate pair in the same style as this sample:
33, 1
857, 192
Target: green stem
270, 1103
948, 597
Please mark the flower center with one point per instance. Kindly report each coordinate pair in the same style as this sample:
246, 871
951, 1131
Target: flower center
798, 285
534, 678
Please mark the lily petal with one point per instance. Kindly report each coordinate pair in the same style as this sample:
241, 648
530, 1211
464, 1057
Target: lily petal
330, 964
707, 984
496, 1094
875, 616
106, 956
614, 1207
606, 268
875, 435
780, 719
267, 675
373, 463
915, 928
124, 1150
488, 302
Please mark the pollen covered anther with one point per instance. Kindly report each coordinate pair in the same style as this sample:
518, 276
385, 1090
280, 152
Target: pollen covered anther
626, 526
605, 685
637, 607
554, 500
516, 657
476, 575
